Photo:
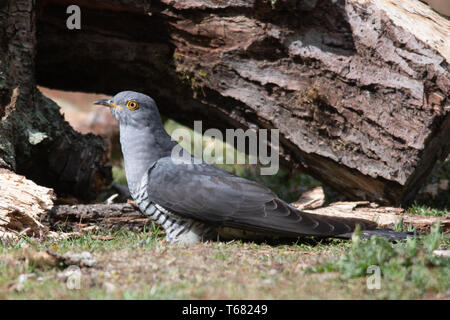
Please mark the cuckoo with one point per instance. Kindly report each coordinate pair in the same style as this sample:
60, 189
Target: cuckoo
195, 201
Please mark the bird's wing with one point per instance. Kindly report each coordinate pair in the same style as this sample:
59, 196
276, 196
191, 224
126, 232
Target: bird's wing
207, 193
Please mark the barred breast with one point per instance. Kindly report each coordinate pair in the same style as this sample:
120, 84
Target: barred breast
178, 229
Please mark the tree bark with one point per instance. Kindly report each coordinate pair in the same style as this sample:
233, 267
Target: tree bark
108, 216
34, 138
358, 89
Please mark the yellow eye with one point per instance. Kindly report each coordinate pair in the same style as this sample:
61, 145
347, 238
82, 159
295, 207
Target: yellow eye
132, 105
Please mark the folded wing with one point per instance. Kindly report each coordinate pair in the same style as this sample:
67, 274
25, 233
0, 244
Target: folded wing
207, 193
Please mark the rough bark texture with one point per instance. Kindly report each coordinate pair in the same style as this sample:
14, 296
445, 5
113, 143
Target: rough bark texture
358, 89
21, 204
109, 216
34, 138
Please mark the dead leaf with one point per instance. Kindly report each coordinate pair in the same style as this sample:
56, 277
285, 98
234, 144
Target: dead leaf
41, 259
89, 229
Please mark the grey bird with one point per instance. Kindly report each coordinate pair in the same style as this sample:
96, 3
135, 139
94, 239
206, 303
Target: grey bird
195, 202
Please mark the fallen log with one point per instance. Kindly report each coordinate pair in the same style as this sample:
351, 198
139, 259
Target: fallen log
386, 217
125, 215
358, 89
73, 218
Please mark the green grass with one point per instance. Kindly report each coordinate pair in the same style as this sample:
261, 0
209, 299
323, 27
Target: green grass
410, 264
424, 210
122, 239
140, 265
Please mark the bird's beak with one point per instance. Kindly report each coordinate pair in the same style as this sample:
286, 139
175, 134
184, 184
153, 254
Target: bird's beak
108, 103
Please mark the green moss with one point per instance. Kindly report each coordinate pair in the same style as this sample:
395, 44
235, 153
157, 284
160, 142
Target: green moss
202, 73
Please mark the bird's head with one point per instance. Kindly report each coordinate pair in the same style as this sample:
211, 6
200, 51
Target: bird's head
132, 108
